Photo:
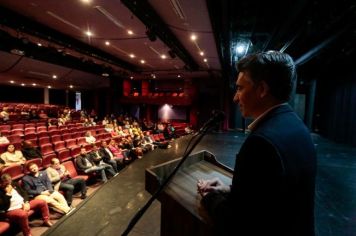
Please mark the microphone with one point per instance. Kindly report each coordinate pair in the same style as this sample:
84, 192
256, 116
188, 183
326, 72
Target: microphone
217, 117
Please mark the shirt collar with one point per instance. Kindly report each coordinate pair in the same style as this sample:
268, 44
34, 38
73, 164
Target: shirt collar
253, 125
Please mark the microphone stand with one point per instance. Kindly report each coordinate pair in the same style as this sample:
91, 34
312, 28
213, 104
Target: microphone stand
139, 214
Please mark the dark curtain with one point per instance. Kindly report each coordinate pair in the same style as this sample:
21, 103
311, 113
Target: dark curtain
337, 106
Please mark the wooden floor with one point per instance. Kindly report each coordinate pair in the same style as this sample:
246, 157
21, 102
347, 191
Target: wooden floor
109, 209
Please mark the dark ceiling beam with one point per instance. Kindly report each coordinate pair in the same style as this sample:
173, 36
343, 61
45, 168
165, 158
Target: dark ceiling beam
145, 12
31, 50
220, 21
26, 25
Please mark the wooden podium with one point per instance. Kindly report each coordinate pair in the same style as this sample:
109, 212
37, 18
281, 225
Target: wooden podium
181, 211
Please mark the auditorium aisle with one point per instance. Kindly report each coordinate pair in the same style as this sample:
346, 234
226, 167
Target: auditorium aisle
108, 210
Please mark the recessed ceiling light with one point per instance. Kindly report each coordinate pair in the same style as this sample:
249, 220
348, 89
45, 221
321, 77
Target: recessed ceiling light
49, 86
39, 44
70, 86
107, 43
12, 82
22, 84
132, 55
178, 76
130, 32
88, 33
131, 77
86, 1
205, 60
163, 56
34, 84
142, 61
105, 74
54, 76
201, 53
193, 37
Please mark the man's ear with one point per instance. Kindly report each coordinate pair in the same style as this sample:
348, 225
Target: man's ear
264, 89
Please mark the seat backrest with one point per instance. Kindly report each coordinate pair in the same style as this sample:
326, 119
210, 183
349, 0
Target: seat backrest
15, 171
71, 168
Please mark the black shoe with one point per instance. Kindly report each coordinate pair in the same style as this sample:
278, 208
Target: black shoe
84, 196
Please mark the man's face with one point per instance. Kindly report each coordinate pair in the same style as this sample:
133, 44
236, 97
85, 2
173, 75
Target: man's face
33, 169
56, 164
83, 151
246, 95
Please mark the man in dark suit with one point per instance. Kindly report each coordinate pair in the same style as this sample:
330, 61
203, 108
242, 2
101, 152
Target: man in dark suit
272, 191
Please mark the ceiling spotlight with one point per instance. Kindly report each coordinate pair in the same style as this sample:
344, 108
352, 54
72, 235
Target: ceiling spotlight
201, 53
142, 61
22, 84
39, 44
240, 49
107, 43
88, 33
12, 82
130, 32
163, 56
131, 77
34, 84
49, 86
132, 55
54, 76
86, 1
70, 86
151, 35
105, 74
205, 60
193, 37
178, 76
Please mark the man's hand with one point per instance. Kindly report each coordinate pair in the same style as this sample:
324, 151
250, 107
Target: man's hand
212, 185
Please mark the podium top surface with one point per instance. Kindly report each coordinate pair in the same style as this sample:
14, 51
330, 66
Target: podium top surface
183, 187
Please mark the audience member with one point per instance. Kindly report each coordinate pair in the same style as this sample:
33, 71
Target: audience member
16, 204
38, 185
87, 165
29, 151
61, 179
3, 139
12, 156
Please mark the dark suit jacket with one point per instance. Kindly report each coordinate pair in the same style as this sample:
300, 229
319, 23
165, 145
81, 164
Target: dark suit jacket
272, 191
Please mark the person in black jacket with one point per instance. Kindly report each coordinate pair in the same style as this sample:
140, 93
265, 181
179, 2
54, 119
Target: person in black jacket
15, 204
87, 165
29, 151
272, 190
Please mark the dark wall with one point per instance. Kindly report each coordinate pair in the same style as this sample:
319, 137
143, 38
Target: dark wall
21, 94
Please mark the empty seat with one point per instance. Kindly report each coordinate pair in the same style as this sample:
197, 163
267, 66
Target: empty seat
71, 143
64, 155
66, 136
4, 227
56, 138
59, 145
46, 149
41, 129
69, 165
18, 126
43, 140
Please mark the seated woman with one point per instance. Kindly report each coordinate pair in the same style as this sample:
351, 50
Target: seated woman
12, 156
15, 203
89, 138
118, 155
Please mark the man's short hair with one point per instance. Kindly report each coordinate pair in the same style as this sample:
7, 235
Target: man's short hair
275, 68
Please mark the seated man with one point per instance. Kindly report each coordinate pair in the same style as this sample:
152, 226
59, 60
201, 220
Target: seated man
38, 185
87, 165
97, 158
15, 203
60, 178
